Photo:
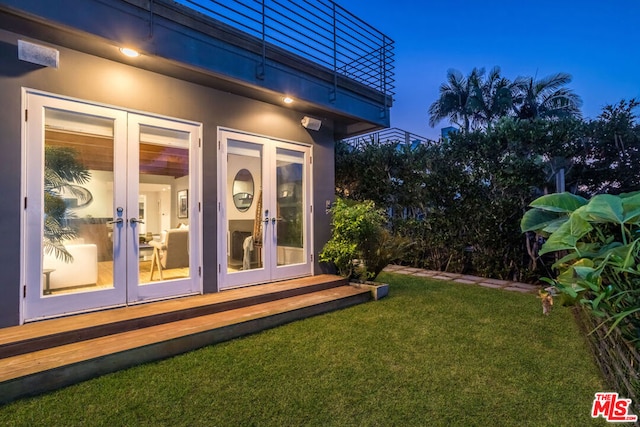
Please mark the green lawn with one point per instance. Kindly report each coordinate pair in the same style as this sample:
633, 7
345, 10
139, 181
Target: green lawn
431, 354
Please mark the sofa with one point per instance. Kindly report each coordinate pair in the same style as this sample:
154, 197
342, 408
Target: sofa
172, 251
83, 270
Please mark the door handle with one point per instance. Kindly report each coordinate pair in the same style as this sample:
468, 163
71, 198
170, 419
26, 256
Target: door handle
135, 221
117, 221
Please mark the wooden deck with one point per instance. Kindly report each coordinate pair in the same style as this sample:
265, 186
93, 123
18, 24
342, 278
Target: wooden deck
50, 354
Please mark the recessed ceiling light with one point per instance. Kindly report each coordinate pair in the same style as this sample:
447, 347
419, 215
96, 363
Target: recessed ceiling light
131, 53
287, 100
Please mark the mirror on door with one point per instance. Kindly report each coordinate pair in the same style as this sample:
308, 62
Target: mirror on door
243, 190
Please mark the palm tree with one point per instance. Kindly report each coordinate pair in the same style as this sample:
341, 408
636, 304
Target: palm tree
62, 171
454, 100
491, 98
545, 98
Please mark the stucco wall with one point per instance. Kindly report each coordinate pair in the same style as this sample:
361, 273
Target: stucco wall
98, 80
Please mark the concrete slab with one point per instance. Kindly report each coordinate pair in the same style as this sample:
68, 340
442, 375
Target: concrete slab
450, 275
490, 285
423, 274
526, 286
403, 272
441, 277
497, 282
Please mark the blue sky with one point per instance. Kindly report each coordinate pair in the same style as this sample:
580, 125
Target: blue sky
597, 42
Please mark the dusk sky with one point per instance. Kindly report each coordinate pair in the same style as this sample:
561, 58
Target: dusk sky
597, 42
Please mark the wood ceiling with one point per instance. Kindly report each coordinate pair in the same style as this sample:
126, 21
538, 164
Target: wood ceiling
96, 153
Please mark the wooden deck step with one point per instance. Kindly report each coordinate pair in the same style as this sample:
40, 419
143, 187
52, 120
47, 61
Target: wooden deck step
48, 333
56, 367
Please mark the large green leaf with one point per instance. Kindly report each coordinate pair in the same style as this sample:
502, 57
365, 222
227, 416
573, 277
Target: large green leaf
604, 208
554, 225
567, 235
559, 202
580, 276
631, 208
537, 219
620, 256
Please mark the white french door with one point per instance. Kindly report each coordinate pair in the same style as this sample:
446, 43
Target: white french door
264, 211
103, 192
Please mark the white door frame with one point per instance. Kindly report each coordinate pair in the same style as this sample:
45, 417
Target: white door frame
125, 289
176, 287
270, 270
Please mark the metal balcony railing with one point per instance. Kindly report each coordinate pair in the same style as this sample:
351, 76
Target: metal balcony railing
389, 136
318, 30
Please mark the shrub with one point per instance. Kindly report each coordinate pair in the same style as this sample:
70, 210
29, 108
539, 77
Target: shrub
360, 246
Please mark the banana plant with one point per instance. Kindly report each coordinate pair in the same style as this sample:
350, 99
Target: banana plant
598, 245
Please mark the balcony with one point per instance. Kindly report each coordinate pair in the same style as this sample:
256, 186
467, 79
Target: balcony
319, 31
334, 64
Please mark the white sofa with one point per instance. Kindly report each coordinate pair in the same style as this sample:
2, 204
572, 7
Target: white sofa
82, 271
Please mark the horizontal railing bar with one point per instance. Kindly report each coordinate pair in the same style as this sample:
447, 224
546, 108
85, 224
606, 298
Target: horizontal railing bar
320, 31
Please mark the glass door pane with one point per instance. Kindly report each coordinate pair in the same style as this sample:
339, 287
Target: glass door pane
163, 205
163, 199
290, 219
244, 195
78, 199
74, 153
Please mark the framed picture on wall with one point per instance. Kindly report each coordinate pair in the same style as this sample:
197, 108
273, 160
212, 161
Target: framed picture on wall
183, 204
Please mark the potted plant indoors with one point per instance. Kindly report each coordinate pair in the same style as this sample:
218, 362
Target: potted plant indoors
62, 172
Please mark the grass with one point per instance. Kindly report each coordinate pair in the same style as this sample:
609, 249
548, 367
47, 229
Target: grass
432, 353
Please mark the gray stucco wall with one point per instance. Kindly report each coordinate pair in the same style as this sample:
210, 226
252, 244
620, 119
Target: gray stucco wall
98, 80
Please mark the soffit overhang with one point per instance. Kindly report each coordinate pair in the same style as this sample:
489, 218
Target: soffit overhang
181, 43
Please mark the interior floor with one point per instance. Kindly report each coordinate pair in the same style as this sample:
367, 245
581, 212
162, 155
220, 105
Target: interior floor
105, 277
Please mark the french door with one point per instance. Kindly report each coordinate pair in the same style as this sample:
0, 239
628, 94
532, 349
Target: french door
111, 207
264, 211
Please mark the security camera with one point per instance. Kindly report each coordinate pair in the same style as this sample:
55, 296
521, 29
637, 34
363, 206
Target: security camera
311, 123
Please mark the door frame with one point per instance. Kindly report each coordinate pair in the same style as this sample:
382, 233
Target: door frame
31, 216
270, 271
170, 288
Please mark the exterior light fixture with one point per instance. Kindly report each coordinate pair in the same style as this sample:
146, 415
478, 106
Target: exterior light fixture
131, 53
287, 100
311, 123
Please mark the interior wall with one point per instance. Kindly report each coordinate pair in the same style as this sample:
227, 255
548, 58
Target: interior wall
122, 85
101, 187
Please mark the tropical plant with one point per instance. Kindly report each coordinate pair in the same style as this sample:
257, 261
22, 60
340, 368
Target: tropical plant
63, 173
360, 246
454, 100
598, 242
491, 98
546, 97
478, 100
